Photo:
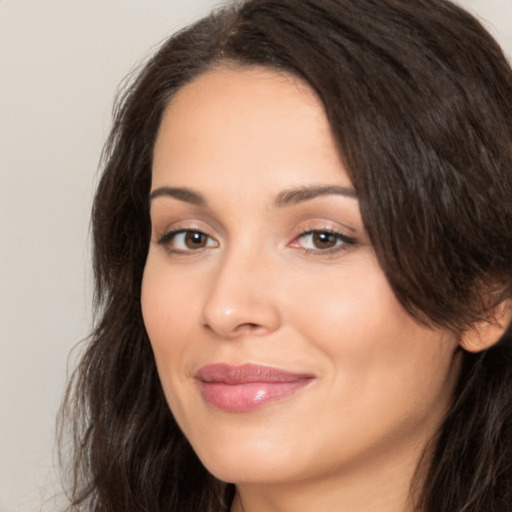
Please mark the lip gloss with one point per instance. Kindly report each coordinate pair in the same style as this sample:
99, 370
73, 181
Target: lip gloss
247, 387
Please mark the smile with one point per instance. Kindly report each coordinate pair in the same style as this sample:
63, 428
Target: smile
247, 387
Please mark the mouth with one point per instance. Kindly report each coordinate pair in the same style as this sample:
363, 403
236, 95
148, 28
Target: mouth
247, 387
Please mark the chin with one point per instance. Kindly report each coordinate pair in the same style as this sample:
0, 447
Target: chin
250, 471
250, 460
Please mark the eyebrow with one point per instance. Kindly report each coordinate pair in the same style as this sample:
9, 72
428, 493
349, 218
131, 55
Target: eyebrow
294, 196
285, 198
182, 194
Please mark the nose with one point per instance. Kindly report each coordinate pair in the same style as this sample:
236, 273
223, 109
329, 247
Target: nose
241, 299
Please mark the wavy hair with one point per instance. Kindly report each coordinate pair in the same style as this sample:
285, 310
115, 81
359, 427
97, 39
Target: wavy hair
419, 100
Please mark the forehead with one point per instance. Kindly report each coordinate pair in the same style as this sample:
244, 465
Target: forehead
245, 125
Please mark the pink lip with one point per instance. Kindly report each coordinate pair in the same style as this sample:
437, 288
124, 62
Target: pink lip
248, 386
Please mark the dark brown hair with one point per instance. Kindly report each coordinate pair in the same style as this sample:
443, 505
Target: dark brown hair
419, 99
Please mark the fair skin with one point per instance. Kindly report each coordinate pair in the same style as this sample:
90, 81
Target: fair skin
244, 267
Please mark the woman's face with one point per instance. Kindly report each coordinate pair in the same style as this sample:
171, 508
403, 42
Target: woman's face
282, 350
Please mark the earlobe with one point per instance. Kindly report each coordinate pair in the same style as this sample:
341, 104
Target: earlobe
487, 333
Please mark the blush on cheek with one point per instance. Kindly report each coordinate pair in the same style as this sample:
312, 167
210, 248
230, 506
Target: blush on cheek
351, 308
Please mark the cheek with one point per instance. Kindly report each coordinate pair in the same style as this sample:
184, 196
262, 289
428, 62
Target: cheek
156, 307
372, 345
168, 300
347, 309
166, 296
167, 309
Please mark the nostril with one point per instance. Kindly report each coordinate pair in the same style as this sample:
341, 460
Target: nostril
231, 311
248, 326
209, 328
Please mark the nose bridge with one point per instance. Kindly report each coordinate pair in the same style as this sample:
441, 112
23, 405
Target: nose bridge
240, 297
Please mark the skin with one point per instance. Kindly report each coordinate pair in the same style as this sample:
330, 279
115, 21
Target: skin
255, 289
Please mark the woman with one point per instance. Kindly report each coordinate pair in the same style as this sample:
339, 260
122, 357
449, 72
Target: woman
302, 254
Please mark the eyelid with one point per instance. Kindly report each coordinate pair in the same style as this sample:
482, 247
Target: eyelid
311, 228
172, 233
316, 225
346, 239
169, 241
165, 235
162, 229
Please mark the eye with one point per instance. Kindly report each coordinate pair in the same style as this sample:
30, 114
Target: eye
186, 240
322, 241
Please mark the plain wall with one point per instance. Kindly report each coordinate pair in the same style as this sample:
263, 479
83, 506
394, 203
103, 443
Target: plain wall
60, 64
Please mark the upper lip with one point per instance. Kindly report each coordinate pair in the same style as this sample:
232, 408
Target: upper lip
246, 373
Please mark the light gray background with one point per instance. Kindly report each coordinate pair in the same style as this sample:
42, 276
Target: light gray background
60, 64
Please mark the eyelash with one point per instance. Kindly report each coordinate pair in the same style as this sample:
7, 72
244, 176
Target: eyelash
167, 238
342, 241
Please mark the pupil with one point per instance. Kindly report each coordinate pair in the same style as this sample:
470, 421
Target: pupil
324, 240
194, 239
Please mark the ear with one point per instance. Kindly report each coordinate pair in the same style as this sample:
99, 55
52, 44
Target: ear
486, 333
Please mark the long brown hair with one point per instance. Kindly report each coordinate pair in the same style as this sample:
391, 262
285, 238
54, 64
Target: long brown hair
419, 100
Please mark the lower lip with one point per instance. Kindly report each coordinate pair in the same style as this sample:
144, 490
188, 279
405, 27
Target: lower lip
247, 396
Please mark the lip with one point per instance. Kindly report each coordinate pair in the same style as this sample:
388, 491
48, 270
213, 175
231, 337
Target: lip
247, 387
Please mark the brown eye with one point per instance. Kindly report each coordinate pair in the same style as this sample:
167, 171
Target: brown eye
324, 239
186, 241
195, 240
